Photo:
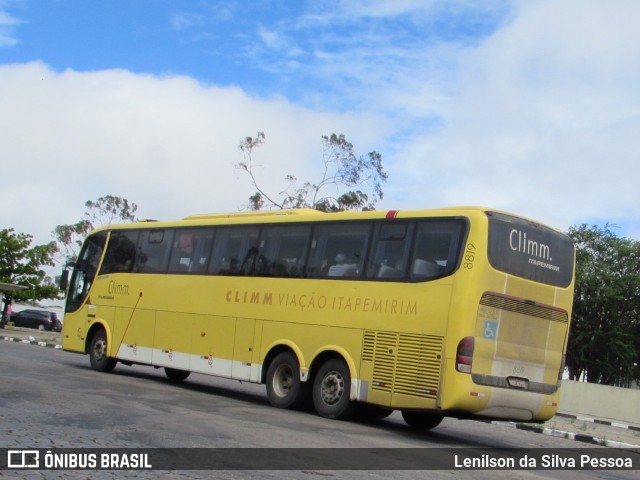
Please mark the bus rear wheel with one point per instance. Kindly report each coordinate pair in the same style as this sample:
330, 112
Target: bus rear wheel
331, 391
421, 420
98, 357
284, 388
176, 375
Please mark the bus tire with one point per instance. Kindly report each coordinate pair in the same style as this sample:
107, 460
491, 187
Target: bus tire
331, 390
284, 388
368, 411
98, 353
421, 420
176, 375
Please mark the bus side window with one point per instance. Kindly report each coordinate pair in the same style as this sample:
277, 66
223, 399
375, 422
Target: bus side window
390, 251
437, 248
154, 247
234, 251
283, 250
338, 250
190, 250
121, 252
202, 239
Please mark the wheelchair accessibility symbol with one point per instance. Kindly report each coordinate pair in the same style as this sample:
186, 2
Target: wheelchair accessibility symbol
490, 331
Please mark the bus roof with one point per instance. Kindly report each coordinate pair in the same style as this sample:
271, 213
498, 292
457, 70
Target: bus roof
304, 214
254, 213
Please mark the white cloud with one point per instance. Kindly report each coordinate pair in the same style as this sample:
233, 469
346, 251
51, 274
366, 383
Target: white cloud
184, 21
168, 144
7, 24
543, 119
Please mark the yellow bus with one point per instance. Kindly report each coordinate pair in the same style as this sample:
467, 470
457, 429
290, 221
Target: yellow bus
458, 312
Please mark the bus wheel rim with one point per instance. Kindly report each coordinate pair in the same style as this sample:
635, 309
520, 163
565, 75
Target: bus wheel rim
282, 380
332, 388
99, 350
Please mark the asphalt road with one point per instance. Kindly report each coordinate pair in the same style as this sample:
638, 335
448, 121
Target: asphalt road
52, 399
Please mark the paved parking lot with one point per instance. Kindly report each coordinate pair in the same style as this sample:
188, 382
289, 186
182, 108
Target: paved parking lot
578, 428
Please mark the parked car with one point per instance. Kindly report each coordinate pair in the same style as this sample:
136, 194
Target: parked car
40, 319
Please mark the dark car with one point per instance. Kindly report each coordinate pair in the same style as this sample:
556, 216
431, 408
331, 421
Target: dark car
40, 319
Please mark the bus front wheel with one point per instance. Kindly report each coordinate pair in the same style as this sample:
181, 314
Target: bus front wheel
284, 388
421, 420
331, 390
98, 353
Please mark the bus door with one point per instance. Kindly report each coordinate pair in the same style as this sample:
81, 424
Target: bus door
77, 307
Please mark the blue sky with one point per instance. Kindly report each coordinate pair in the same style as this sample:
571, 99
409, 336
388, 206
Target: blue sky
528, 106
265, 47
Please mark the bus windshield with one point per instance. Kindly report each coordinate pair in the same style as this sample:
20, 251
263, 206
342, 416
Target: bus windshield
85, 270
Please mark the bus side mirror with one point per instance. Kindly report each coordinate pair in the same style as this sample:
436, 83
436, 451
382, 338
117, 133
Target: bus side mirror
64, 279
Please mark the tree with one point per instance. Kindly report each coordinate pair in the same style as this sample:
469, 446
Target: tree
21, 264
341, 169
603, 341
103, 211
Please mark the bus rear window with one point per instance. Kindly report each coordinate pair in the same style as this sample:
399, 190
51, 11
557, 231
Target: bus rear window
529, 250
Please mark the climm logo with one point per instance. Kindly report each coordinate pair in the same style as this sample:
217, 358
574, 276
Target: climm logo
519, 242
116, 288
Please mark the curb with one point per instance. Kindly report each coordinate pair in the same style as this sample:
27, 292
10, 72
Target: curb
600, 422
33, 342
578, 437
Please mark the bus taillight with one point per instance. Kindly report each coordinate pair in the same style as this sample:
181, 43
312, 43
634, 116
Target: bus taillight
562, 365
464, 355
